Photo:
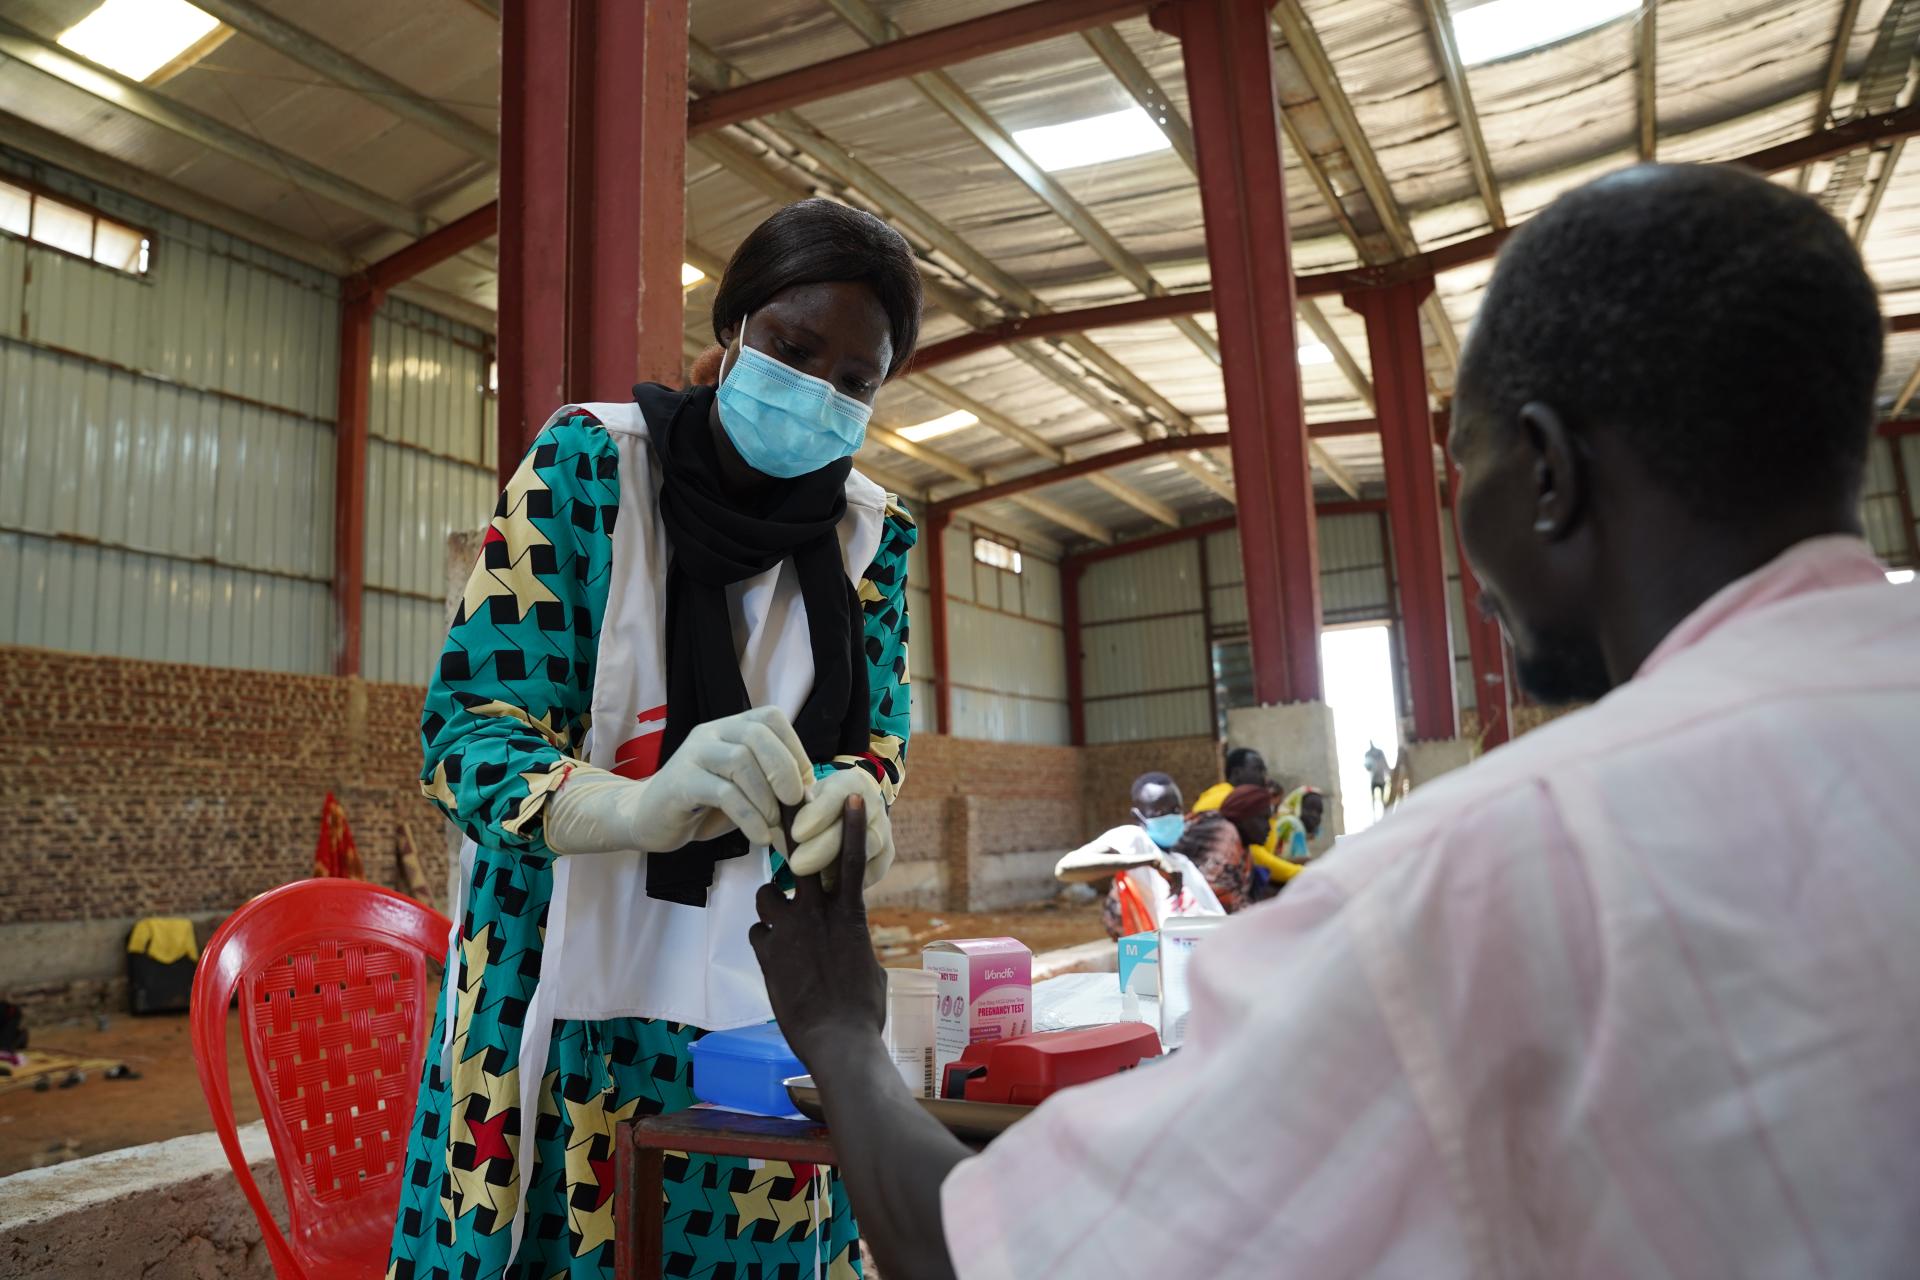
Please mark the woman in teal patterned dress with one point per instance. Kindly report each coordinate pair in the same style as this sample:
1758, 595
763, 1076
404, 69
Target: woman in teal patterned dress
620, 769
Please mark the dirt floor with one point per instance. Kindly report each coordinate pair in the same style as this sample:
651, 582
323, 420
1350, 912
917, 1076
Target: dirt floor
99, 1114
1045, 927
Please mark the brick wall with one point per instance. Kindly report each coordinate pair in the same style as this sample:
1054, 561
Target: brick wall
146, 788
1110, 768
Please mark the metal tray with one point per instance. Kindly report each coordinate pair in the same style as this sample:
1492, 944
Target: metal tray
975, 1122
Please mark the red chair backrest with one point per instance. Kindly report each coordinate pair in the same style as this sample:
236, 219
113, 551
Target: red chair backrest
335, 1008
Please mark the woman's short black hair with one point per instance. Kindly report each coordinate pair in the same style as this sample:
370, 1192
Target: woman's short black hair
816, 242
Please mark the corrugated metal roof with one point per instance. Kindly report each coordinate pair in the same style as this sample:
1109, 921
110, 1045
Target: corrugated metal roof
1733, 75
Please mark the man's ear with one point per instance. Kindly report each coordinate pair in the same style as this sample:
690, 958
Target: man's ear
1560, 471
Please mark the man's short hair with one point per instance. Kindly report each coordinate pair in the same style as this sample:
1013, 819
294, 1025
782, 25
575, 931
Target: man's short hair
1237, 758
1721, 323
1155, 779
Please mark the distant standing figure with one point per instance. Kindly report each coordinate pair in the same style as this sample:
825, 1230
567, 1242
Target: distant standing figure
1378, 772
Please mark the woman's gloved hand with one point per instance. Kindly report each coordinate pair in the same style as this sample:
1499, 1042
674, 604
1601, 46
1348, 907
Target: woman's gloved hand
733, 772
816, 828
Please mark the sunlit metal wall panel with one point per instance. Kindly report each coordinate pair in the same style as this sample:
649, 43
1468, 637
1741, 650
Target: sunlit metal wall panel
427, 476
213, 312
1353, 570
1161, 580
1145, 665
1910, 461
925, 711
166, 449
1463, 686
1006, 652
1880, 500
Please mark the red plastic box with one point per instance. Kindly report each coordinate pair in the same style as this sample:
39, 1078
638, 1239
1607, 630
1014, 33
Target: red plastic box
1027, 1069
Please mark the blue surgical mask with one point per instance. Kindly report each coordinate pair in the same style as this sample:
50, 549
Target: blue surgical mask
784, 422
1165, 830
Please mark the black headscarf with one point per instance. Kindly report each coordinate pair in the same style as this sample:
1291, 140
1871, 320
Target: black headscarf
714, 544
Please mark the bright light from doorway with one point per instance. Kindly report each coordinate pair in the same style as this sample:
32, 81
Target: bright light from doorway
138, 37
1356, 666
1899, 577
690, 275
1315, 353
1502, 28
1095, 140
940, 426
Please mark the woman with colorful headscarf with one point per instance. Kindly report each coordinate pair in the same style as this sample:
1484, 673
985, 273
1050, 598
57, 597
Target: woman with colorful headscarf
1286, 853
682, 651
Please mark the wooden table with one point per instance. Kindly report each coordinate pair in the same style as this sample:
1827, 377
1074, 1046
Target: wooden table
639, 1154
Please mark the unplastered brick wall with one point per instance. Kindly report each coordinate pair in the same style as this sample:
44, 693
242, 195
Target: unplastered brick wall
965, 800
145, 788
1110, 768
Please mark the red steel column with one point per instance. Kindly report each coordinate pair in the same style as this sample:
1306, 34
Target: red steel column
593, 98
358, 303
1229, 71
1071, 571
936, 545
1492, 691
1413, 498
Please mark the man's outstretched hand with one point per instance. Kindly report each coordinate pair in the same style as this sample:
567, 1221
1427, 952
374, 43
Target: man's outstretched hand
830, 995
827, 990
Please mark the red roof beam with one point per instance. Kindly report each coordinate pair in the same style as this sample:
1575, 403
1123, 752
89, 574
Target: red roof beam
929, 51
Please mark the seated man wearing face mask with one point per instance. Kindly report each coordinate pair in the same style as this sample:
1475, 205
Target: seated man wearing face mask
1208, 850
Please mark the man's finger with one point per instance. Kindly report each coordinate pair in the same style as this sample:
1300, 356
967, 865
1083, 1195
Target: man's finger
853, 858
769, 902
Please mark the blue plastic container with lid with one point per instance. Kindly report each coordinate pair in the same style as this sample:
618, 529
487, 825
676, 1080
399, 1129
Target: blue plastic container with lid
746, 1070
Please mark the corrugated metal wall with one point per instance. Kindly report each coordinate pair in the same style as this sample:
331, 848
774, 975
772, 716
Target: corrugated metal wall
1006, 651
1159, 662
1880, 503
166, 447
1145, 669
430, 472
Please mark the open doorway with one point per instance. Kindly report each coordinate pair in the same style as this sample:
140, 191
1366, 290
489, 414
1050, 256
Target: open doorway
1357, 671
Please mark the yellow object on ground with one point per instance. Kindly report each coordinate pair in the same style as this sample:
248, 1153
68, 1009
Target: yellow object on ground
163, 939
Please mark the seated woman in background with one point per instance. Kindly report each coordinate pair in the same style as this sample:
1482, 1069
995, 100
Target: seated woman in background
1286, 852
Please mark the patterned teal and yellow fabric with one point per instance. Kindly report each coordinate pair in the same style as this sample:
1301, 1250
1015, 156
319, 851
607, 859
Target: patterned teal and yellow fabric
505, 719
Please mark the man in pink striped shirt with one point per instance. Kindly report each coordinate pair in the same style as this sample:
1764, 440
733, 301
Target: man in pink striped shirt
1637, 995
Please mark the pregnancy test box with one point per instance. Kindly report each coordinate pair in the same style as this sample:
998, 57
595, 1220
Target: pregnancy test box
986, 993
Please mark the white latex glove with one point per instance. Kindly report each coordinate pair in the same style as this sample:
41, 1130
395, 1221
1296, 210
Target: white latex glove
734, 772
816, 828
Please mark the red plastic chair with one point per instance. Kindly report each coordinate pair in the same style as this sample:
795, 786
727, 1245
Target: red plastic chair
335, 1005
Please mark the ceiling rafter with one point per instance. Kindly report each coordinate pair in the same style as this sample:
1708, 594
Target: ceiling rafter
136, 99
1877, 191
1303, 53
1647, 80
946, 93
1883, 78
1460, 94
794, 130
95, 166
1151, 98
283, 37
1836, 71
